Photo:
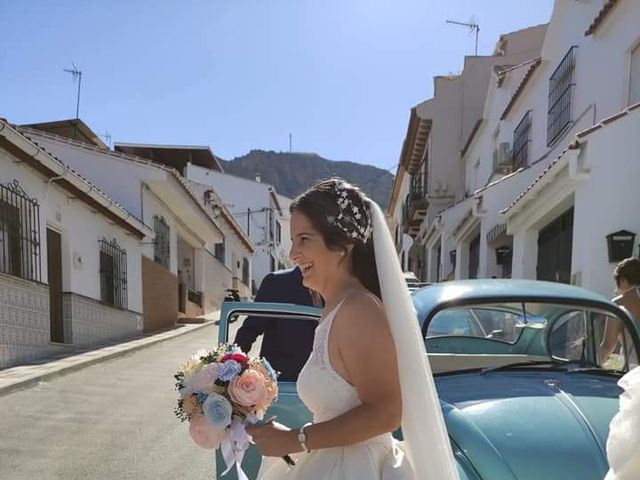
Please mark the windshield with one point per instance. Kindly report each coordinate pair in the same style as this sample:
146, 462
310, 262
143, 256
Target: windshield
534, 332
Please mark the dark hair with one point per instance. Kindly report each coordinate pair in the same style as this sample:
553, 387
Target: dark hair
320, 204
628, 269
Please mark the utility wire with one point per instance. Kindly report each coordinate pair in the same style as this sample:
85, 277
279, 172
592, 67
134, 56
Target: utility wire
371, 180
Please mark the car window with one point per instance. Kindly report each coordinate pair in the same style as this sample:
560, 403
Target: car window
454, 322
285, 342
564, 332
568, 338
497, 322
579, 335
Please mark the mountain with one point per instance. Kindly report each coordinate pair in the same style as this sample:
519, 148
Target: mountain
293, 173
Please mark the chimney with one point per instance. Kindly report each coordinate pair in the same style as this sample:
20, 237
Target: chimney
258, 179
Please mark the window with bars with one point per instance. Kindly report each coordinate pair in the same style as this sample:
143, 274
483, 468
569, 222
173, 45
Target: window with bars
19, 233
162, 244
561, 85
113, 274
521, 139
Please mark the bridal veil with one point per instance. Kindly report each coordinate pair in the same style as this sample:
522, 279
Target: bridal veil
426, 441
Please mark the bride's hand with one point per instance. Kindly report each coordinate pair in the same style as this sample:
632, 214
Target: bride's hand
274, 439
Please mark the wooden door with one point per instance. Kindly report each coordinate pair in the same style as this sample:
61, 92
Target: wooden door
54, 268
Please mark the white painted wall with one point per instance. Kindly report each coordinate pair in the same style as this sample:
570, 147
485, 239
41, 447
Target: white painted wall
459, 102
610, 195
240, 194
147, 190
603, 65
405, 241
449, 219
80, 229
153, 206
104, 171
235, 248
283, 249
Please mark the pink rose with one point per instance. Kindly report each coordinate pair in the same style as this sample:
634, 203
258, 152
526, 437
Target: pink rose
247, 389
204, 434
204, 380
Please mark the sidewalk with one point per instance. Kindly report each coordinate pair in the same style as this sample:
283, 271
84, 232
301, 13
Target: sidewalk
23, 376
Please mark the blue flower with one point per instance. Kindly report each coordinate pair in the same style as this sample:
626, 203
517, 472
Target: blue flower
217, 411
267, 366
229, 370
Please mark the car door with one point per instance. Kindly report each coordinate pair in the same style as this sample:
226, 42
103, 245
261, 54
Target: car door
288, 408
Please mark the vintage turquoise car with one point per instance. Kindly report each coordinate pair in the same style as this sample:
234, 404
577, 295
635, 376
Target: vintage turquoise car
523, 391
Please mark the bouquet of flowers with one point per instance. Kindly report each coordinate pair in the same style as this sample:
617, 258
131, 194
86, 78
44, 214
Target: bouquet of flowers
220, 393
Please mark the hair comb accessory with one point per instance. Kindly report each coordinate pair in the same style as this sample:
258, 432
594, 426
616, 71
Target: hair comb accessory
353, 220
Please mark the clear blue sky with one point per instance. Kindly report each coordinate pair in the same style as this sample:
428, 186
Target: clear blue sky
241, 74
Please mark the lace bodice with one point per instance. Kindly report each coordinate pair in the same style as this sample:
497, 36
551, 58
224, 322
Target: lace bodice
320, 387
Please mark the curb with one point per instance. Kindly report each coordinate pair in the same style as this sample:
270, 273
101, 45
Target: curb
29, 375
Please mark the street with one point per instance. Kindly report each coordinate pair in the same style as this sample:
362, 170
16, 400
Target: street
112, 420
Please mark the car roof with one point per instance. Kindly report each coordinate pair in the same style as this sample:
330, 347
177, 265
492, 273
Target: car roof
483, 290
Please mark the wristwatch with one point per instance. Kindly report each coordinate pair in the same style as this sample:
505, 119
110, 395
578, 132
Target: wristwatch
302, 437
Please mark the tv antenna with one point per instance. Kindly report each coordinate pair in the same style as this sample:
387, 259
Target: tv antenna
471, 25
75, 73
107, 138
290, 141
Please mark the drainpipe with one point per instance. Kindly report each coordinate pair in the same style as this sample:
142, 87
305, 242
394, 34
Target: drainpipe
53, 179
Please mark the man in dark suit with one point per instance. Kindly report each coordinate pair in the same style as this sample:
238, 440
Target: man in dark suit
286, 343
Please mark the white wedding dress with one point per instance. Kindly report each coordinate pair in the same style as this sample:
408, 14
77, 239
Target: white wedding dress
328, 395
623, 444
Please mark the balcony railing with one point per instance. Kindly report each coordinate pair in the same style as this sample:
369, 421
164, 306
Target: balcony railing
415, 205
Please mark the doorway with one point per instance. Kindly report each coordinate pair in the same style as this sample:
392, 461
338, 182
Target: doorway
54, 269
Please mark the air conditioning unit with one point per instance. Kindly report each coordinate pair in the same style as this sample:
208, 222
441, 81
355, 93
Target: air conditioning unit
502, 159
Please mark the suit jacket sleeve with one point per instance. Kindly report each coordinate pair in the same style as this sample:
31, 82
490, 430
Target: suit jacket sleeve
253, 327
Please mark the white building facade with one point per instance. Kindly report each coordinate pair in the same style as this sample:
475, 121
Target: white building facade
550, 169
439, 130
260, 212
70, 266
181, 275
395, 216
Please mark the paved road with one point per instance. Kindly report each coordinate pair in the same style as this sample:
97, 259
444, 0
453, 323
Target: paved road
109, 421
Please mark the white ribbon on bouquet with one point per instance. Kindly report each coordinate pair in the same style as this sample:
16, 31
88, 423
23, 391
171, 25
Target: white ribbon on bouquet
233, 446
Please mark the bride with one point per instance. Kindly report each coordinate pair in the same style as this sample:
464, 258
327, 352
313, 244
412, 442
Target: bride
624, 431
368, 371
